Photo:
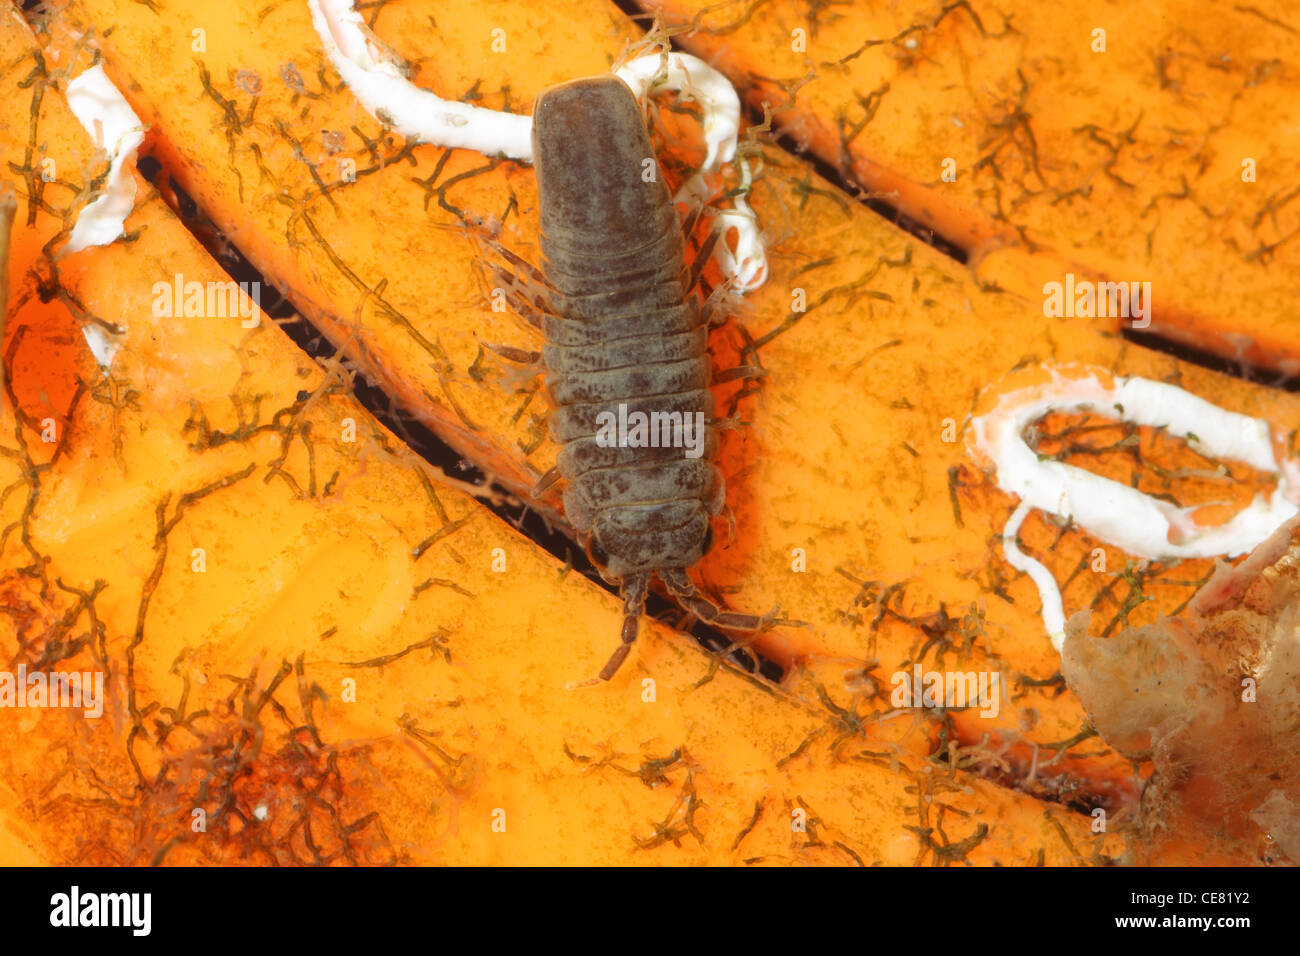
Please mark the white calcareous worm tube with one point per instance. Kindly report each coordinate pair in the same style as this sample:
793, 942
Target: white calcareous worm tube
107, 117
1048, 592
720, 105
380, 86
1117, 514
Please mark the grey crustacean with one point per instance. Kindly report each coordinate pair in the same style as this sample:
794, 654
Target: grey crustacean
623, 327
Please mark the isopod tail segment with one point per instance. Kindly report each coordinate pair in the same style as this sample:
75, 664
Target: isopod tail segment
636, 588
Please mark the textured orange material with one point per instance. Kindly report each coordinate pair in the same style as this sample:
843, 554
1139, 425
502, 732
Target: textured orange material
335, 654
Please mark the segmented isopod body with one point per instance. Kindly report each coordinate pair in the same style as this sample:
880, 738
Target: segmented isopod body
624, 335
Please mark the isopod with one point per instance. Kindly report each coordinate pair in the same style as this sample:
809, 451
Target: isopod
624, 335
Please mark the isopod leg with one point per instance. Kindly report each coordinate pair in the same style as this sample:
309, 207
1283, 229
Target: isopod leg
692, 220
545, 482
738, 373
730, 517
526, 289
516, 292
635, 589
518, 356
721, 303
531, 274
683, 588
702, 259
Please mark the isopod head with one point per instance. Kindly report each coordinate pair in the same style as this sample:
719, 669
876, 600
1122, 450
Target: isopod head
599, 182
